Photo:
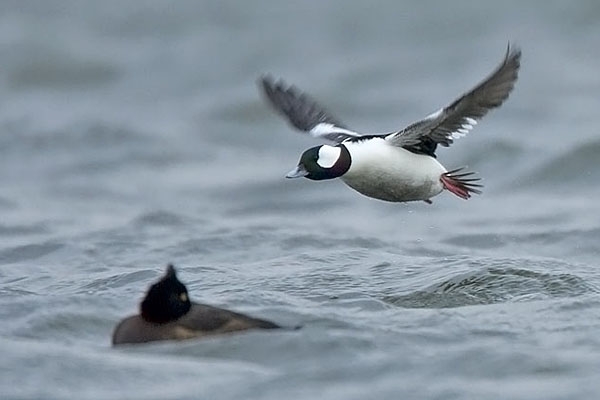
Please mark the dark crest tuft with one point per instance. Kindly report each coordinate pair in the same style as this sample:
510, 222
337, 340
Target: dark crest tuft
166, 300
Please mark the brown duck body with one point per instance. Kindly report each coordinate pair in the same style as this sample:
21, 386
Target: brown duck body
200, 321
166, 313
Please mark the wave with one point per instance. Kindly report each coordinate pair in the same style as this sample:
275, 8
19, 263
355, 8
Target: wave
28, 252
577, 167
494, 285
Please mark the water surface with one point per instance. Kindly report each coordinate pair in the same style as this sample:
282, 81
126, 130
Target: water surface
133, 135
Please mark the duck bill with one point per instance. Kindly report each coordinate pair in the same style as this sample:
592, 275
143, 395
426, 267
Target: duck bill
297, 172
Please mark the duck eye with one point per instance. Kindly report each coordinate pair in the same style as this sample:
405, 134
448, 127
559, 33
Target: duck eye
183, 296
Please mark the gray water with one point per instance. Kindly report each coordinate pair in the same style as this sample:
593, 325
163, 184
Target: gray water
133, 135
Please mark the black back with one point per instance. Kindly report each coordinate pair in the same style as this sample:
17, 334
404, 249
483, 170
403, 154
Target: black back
425, 146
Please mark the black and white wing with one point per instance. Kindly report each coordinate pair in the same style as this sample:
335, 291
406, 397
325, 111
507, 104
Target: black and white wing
304, 113
455, 120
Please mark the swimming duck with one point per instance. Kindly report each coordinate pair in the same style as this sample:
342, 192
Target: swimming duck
166, 313
399, 166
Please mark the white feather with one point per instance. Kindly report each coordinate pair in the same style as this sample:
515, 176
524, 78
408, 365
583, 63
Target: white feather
392, 173
436, 114
324, 128
328, 156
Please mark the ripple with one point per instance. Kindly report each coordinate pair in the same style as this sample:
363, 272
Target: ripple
27, 252
577, 167
557, 240
44, 67
98, 135
21, 230
7, 204
159, 218
10, 292
480, 241
116, 281
493, 285
317, 242
64, 325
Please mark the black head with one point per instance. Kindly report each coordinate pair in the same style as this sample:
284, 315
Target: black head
166, 300
322, 162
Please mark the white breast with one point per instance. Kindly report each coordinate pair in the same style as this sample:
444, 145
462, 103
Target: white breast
392, 173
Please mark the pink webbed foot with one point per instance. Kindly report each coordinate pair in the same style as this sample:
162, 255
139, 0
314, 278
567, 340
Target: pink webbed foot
461, 184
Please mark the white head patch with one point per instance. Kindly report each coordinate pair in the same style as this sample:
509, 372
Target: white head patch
328, 156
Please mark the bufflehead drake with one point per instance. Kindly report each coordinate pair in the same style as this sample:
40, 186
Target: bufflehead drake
398, 166
166, 313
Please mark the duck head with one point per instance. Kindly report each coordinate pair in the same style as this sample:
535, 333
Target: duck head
166, 300
322, 162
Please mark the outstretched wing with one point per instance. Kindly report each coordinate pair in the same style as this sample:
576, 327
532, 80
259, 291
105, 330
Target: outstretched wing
303, 112
455, 120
